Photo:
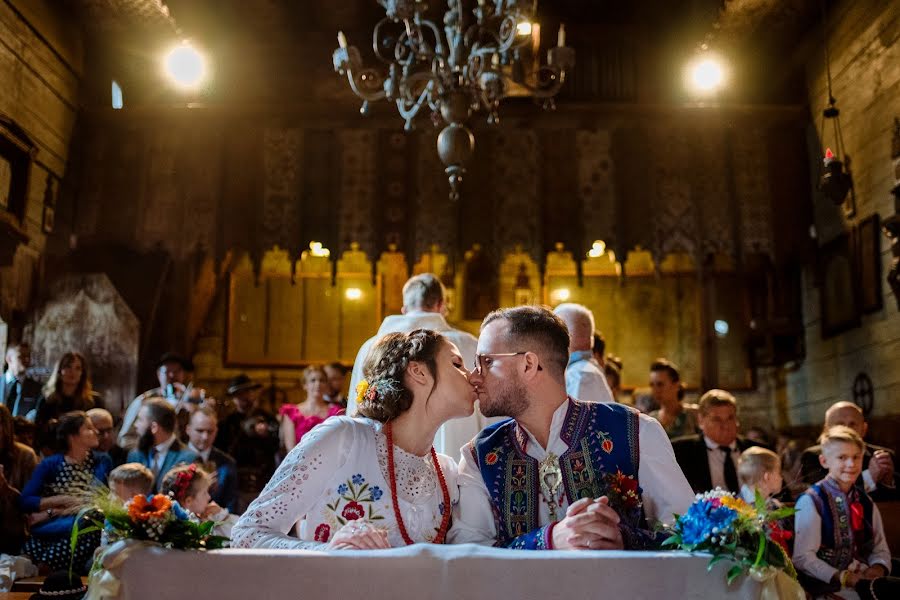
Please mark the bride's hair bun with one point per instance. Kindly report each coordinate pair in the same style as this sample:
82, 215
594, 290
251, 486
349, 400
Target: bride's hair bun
385, 394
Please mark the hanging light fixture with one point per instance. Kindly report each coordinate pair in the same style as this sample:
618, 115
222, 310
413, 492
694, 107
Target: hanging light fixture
453, 68
835, 182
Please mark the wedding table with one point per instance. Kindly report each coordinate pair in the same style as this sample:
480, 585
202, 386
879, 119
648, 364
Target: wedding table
426, 572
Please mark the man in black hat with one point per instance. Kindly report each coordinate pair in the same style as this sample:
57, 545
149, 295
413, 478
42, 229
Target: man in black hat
250, 435
170, 371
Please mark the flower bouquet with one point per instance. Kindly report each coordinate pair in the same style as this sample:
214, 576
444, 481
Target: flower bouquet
731, 529
157, 519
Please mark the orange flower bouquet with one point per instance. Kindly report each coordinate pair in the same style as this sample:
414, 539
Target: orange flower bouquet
158, 519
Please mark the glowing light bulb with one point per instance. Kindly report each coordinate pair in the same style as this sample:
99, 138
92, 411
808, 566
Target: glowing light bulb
523, 28
185, 66
353, 293
707, 74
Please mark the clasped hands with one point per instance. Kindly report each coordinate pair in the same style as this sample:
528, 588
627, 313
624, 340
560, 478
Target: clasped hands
881, 467
359, 535
589, 524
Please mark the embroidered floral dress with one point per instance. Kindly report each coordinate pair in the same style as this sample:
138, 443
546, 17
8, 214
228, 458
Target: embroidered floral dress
339, 473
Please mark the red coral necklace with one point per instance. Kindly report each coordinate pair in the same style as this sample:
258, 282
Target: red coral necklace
445, 520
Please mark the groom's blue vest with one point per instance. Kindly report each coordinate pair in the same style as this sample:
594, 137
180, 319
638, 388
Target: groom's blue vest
602, 440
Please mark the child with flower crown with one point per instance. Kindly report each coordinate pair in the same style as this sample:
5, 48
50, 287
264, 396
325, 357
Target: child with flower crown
189, 486
840, 550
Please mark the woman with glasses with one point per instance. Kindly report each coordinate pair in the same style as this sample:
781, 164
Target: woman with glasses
372, 481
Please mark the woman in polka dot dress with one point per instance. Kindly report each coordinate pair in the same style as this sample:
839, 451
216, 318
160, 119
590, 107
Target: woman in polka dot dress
60, 486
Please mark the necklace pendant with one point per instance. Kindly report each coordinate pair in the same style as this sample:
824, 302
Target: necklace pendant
550, 479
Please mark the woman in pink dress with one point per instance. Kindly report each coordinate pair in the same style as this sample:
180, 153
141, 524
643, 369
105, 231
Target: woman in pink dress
298, 419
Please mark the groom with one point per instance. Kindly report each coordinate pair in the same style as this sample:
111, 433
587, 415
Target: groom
561, 474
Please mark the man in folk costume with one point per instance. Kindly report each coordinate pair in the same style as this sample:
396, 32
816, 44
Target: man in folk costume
561, 474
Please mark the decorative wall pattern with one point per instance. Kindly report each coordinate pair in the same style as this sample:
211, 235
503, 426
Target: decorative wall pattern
515, 186
357, 188
596, 190
752, 193
280, 218
675, 218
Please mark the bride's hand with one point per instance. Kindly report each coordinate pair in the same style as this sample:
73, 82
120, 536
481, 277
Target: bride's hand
359, 535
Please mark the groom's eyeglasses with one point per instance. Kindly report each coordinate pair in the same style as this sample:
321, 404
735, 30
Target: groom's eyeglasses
484, 361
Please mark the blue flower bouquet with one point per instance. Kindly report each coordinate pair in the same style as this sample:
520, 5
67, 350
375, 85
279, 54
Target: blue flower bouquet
731, 529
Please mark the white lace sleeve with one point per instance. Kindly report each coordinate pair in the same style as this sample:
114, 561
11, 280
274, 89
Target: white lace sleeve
296, 486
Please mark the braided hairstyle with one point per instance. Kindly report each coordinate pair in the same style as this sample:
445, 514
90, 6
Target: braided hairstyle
387, 396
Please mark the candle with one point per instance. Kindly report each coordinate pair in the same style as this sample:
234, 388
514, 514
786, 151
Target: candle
829, 156
561, 35
342, 39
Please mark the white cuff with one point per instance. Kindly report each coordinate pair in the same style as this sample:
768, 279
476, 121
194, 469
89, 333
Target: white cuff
869, 481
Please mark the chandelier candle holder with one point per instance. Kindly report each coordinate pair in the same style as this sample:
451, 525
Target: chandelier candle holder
468, 64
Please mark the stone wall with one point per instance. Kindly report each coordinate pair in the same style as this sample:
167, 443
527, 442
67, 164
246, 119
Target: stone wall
40, 74
865, 66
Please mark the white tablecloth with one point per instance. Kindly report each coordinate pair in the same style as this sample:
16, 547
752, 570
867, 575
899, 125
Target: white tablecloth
425, 572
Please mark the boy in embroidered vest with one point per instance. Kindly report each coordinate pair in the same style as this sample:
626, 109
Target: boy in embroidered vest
561, 474
840, 537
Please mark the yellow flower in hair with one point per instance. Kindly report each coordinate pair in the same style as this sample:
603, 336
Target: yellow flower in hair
361, 388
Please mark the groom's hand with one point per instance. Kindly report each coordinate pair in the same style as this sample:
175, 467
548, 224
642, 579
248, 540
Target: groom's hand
589, 525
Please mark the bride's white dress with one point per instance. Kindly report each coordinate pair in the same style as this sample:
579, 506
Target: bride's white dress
339, 473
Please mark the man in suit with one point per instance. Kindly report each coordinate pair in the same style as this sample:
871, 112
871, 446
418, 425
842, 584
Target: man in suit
158, 446
19, 392
201, 431
710, 459
878, 476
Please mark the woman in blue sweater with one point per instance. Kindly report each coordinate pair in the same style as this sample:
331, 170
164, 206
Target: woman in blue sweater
61, 485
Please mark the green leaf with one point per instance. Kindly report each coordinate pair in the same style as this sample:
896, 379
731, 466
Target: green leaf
759, 502
733, 573
715, 560
781, 513
672, 541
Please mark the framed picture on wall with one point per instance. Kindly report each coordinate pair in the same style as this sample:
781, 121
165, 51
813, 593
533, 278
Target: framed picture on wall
868, 263
838, 295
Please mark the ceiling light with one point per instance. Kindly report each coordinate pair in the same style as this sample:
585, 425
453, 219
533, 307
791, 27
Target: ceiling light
706, 75
185, 66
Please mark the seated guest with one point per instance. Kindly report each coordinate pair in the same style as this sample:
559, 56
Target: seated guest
129, 480
25, 431
69, 388
17, 462
61, 485
189, 485
103, 423
759, 470
598, 349
298, 419
19, 392
250, 435
337, 383
201, 431
158, 446
709, 460
840, 536
171, 372
677, 419
878, 474
584, 377
613, 375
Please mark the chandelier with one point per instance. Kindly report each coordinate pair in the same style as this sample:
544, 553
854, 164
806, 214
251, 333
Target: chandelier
450, 71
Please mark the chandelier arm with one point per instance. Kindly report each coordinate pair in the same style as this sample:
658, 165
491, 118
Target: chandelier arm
376, 37
409, 111
549, 91
376, 93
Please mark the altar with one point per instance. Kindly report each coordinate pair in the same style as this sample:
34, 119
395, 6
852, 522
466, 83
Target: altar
427, 572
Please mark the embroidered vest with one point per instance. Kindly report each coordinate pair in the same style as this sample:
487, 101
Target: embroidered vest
602, 441
838, 547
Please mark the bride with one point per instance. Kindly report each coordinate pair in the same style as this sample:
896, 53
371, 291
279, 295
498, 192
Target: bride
372, 481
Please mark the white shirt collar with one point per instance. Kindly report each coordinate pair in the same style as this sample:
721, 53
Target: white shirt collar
201, 453
9, 377
165, 446
714, 446
556, 425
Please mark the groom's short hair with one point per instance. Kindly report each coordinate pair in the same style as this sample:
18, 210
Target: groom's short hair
536, 329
